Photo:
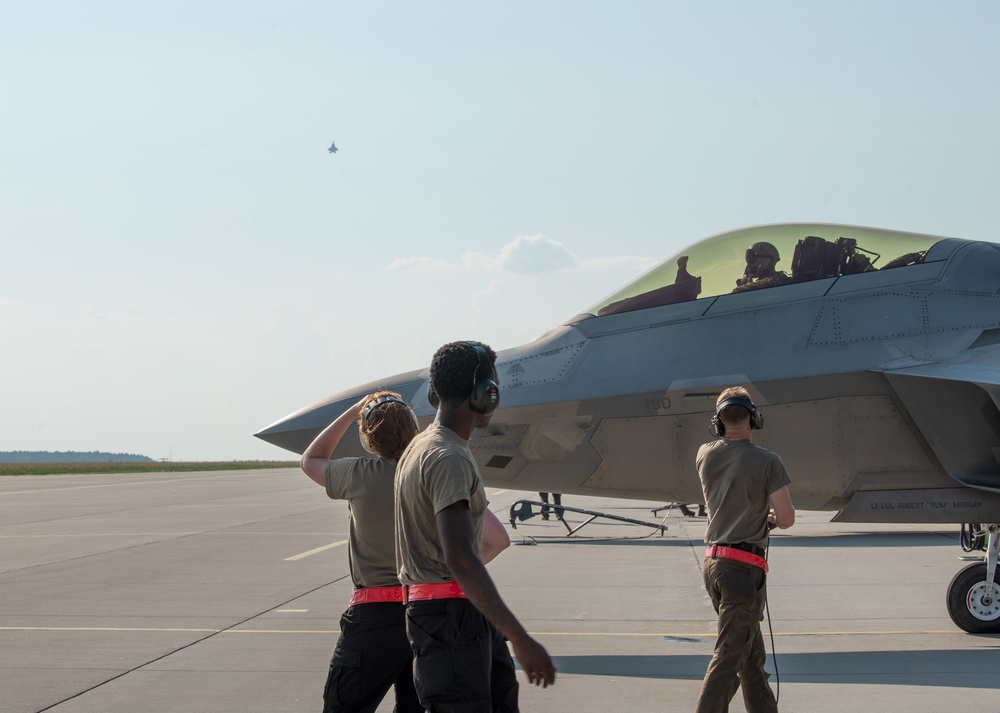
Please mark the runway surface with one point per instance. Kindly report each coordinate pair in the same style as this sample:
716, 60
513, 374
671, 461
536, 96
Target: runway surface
221, 592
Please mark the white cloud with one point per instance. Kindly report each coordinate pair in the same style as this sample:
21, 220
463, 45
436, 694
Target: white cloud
12, 312
525, 255
534, 254
98, 312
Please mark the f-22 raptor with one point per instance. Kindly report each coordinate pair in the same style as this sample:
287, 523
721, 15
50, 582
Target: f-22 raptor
873, 354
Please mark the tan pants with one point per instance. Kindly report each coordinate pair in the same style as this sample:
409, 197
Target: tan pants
738, 592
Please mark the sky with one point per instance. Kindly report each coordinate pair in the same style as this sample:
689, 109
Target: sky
184, 263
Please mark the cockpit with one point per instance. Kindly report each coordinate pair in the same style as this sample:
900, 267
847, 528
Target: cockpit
767, 256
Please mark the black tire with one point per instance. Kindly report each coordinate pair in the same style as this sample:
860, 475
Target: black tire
966, 604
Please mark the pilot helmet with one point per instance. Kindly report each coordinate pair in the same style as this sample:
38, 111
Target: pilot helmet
761, 258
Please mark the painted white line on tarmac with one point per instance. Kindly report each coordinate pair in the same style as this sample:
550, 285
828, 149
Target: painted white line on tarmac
151, 481
295, 558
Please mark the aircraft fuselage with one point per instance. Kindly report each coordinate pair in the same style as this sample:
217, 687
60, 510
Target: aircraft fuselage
879, 390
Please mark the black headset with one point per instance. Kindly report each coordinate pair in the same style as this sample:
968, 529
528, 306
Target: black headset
375, 403
756, 419
485, 396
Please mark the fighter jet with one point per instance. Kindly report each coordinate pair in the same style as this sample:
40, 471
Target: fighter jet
874, 356
333, 148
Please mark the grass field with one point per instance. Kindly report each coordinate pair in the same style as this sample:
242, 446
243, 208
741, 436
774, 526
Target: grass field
140, 467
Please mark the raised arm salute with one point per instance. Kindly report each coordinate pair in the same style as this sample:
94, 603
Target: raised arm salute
372, 654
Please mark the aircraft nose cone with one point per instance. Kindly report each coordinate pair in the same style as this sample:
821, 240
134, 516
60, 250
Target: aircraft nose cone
296, 431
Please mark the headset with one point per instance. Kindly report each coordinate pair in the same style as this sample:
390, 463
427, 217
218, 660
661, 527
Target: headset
756, 419
366, 414
485, 396
375, 403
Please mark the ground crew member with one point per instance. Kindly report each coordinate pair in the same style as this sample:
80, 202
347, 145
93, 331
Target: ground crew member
455, 618
557, 499
746, 492
372, 654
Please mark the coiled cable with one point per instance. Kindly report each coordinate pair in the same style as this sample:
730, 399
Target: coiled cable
973, 537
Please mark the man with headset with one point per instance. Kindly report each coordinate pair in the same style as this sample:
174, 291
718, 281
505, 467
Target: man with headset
746, 491
455, 619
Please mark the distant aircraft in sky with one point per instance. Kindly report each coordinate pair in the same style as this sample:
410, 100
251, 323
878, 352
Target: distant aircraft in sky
875, 359
333, 148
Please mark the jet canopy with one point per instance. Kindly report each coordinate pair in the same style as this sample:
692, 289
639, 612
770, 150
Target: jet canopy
744, 260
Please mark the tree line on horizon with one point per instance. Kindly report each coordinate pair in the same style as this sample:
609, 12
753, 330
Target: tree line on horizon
71, 457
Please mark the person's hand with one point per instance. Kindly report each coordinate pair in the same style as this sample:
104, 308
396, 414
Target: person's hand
772, 520
534, 659
356, 408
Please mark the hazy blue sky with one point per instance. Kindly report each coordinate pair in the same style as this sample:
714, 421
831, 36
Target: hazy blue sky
184, 263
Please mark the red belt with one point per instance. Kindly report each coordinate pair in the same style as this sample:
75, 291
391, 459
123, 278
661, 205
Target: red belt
423, 592
731, 553
367, 595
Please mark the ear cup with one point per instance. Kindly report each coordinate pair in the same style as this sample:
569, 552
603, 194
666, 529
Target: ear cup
365, 443
485, 397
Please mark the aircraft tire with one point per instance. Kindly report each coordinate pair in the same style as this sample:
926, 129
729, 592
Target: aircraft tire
967, 606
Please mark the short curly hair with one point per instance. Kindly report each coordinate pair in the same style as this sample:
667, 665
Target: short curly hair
457, 366
389, 427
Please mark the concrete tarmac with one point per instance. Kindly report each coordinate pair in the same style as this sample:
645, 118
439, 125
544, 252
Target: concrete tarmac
220, 592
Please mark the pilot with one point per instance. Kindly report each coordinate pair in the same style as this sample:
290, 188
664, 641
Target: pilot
746, 491
760, 271
373, 628
454, 614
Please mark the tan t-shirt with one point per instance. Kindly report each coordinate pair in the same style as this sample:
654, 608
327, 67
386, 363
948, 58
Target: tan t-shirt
737, 477
366, 484
435, 471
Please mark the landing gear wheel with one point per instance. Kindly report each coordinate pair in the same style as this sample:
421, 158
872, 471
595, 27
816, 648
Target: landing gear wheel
973, 605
